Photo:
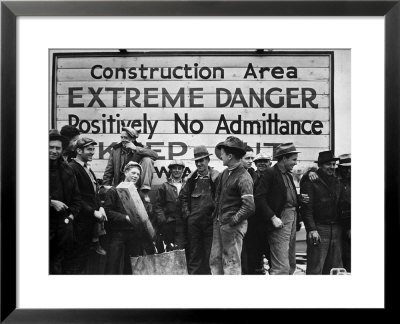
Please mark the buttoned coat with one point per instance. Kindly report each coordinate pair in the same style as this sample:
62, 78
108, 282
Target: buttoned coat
89, 201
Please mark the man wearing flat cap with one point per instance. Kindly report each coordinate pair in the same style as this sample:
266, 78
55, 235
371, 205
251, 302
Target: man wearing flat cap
234, 205
168, 210
65, 203
91, 215
321, 217
197, 201
277, 209
130, 150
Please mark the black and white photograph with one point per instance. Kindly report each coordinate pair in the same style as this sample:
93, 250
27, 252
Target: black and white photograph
200, 162
175, 158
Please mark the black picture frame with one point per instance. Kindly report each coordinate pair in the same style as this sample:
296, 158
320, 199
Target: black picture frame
11, 10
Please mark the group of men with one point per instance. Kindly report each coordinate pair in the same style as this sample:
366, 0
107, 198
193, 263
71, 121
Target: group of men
227, 222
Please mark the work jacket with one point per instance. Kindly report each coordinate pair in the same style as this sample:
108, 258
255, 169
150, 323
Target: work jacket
114, 172
323, 205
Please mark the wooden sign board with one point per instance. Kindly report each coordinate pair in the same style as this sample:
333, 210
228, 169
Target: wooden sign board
182, 99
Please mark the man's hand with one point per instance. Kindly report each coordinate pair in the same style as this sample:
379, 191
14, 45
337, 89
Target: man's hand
58, 205
304, 198
313, 176
314, 237
128, 219
131, 146
276, 222
103, 212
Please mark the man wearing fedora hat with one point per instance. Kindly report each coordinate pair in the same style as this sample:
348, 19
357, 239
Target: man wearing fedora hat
344, 173
277, 209
65, 203
320, 215
234, 205
90, 221
130, 150
197, 200
167, 208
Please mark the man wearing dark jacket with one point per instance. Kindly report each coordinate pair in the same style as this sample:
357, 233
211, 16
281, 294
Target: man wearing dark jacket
130, 150
197, 200
277, 209
320, 215
64, 206
91, 213
168, 209
234, 205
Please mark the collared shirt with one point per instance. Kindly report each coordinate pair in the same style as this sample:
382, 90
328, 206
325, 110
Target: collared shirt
290, 189
86, 166
177, 184
206, 176
233, 167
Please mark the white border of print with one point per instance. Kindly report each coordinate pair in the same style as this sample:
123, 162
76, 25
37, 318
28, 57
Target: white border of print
364, 288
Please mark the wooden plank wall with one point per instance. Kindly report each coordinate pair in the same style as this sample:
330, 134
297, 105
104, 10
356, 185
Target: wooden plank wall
100, 95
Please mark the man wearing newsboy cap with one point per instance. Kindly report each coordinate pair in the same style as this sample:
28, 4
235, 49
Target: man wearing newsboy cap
130, 150
234, 205
197, 200
320, 215
277, 209
91, 216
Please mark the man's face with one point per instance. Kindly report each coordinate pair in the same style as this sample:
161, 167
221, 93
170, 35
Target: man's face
176, 171
55, 150
290, 162
126, 138
86, 153
262, 165
72, 143
225, 157
132, 175
328, 168
247, 160
202, 165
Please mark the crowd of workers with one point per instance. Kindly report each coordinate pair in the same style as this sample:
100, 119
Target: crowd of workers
227, 222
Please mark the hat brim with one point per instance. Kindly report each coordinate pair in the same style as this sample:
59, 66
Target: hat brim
286, 153
202, 157
345, 164
324, 161
220, 145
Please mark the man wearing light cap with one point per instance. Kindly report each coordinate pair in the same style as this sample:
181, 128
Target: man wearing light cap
130, 150
255, 241
91, 214
321, 217
197, 200
277, 209
234, 205
168, 210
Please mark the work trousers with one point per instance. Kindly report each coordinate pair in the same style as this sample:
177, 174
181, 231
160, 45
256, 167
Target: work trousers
200, 235
61, 244
282, 244
226, 248
326, 255
255, 245
121, 246
146, 177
